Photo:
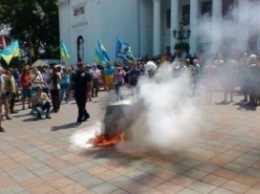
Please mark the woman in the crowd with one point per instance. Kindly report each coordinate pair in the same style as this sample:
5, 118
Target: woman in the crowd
26, 85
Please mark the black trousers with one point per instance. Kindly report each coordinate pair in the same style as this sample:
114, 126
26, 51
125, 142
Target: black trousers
82, 112
55, 97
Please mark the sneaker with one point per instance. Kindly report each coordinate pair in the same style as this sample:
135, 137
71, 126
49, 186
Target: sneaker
86, 117
8, 118
13, 112
48, 117
39, 117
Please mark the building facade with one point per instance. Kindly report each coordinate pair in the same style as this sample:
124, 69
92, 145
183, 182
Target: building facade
147, 25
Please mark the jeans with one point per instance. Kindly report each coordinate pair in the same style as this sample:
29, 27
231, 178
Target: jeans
42, 107
117, 89
63, 91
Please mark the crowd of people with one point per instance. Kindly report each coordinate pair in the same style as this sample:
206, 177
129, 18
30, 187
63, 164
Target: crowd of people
43, 89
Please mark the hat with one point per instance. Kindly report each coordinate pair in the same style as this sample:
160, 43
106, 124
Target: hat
58, 65
88, 65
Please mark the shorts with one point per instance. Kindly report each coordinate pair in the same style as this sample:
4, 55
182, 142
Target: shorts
26, 93
109, 79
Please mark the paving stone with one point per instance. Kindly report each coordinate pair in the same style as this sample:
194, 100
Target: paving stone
202, 187
104, 188
11, 189
222, 159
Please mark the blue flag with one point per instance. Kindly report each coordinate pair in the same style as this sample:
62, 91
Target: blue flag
100, 59
103, 51
121, 49
124, 51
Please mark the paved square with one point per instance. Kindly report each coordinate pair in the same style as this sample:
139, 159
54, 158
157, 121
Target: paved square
36, 156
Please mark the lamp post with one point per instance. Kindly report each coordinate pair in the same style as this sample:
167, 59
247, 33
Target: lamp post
181, 35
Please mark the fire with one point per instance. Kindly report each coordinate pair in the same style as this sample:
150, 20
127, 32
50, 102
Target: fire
103, 141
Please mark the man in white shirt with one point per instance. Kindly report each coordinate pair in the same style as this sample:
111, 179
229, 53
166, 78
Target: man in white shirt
41, 102
96, 76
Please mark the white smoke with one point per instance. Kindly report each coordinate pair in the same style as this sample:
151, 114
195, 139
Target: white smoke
166, 114
163, 115
233, 32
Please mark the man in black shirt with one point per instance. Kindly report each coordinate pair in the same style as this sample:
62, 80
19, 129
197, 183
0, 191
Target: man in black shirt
81, 81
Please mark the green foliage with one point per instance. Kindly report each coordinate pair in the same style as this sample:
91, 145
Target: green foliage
35, 24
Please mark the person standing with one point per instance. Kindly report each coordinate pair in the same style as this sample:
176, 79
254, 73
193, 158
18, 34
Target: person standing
54, 81
109, 72
134, 75
119, 80
37, 79
26, 84
10, 88
65, 82
96, 76
81, 81
1, 92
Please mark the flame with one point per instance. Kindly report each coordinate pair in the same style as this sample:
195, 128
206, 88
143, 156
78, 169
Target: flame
103, 141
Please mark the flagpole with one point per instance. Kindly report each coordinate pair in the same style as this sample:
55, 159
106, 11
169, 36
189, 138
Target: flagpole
61, 59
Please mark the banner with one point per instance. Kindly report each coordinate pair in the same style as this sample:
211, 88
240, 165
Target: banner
100, 59
64, 51
10, 51
103, 51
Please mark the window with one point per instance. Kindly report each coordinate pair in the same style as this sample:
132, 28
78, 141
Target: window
206, 8
186, 15
168, 18
227, 7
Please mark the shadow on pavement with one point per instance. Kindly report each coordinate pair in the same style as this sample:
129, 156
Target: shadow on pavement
245, 107
65, 126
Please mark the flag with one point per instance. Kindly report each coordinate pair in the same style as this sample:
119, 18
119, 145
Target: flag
100, 57
129, 56
121, 49
103, 51
64, 51
124, 51
10, 51
3, 42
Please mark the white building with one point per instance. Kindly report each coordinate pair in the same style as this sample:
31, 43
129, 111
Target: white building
147, 25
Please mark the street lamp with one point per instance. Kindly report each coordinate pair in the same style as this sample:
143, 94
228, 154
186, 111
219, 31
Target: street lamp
182, 34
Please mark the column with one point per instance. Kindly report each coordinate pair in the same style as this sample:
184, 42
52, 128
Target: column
216, 37
194, 15
156, 27
174, 21
243, 18
67, 26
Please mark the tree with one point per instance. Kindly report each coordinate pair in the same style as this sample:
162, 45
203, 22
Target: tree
35, 24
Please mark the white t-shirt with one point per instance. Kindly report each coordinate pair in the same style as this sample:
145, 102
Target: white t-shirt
45, 77
38, 78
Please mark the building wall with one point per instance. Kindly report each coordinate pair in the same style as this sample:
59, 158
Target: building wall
131, 21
